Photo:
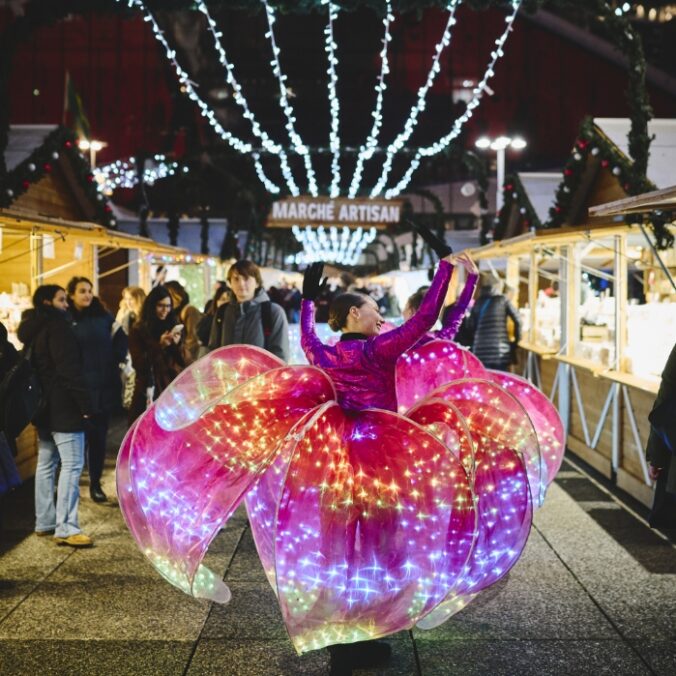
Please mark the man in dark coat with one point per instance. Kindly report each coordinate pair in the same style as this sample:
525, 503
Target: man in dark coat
662, 447
250, 318
488, 320
67, 404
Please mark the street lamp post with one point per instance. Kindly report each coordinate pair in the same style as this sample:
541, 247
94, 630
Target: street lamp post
93, 147
500, 145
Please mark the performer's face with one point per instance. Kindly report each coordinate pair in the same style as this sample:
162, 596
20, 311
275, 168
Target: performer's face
243, 287
366, 319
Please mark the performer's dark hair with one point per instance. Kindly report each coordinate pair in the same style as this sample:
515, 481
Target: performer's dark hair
340, 308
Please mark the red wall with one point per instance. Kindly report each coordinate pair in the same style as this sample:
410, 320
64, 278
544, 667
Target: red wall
544, 82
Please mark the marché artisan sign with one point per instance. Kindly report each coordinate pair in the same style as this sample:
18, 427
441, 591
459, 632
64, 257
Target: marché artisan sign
340, 211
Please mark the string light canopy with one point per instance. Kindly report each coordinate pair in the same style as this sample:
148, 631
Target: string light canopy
398, 147
332, 247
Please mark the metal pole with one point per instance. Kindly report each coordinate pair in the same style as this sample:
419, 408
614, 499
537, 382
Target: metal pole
500, 178
657, 255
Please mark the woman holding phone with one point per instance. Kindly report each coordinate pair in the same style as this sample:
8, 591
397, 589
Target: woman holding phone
157, 350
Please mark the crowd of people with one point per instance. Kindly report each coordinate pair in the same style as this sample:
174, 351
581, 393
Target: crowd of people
90, 364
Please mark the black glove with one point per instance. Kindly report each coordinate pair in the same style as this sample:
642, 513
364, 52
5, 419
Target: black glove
312, 281
437, 245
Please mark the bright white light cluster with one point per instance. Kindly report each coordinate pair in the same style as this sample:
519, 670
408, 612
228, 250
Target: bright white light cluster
398, 144
240, 99
477, 94
366, 151
334, 139
296, 140
124, 173
332, 247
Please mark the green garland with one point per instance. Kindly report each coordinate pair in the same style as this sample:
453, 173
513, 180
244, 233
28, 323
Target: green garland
58, 144
513, 191
592, 142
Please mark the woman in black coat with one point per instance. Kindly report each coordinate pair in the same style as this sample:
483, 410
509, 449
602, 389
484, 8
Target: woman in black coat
103, 345
661, 449
61, 422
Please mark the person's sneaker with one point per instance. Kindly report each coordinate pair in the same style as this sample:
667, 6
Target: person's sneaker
42, 533
78, 540
97, 494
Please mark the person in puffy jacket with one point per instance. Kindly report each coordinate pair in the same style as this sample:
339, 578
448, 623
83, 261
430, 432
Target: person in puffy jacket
61, 422
250, 318
488, 319
103, 345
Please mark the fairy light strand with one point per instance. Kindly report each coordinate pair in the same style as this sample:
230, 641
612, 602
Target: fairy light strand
477, 94
296, 140
330, 47
368, 149
267, 143
269, 185
421, 104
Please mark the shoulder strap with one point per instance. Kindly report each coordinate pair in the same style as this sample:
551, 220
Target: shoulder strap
266, 318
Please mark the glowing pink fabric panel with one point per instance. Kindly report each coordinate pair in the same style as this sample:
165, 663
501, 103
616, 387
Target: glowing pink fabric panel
375, 524
425, 367
543, 415
366, 522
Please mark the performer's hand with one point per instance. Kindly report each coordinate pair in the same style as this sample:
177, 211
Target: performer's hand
654, 472
466, 261
437, 245
312, 281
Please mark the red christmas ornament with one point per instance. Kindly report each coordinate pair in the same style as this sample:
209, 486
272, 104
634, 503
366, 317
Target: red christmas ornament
557, 209
47, 167
90, 177
68, 144
25, 184
582, 144
604, 163
107, 208
567, 172
509, 186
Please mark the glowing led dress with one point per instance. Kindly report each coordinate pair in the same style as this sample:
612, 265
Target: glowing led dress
366, 520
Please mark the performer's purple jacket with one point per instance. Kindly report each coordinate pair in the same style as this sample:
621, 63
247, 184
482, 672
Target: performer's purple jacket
363, 370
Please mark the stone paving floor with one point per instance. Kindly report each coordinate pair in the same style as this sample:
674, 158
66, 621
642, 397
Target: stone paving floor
594, 593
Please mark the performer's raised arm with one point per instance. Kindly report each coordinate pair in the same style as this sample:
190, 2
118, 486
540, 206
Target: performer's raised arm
456, 314
312, 285
390, 345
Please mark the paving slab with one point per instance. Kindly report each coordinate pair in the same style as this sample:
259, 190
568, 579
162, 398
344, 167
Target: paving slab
529, 658
256, 658
94, 658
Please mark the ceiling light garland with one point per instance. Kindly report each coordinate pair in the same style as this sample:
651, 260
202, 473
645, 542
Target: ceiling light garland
334, 139
267, 143
184, 79
269, 185
477, 94
345, 248
296, 140
412, 120
368, 149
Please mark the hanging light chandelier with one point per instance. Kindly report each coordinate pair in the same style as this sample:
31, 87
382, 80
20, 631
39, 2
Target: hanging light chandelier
319, 244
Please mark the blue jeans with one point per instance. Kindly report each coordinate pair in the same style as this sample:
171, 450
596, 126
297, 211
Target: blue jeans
68, 449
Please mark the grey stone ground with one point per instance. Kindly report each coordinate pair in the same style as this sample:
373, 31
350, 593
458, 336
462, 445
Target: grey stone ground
594, 593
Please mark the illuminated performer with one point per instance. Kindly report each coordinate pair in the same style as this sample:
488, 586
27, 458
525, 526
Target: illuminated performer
369, 515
